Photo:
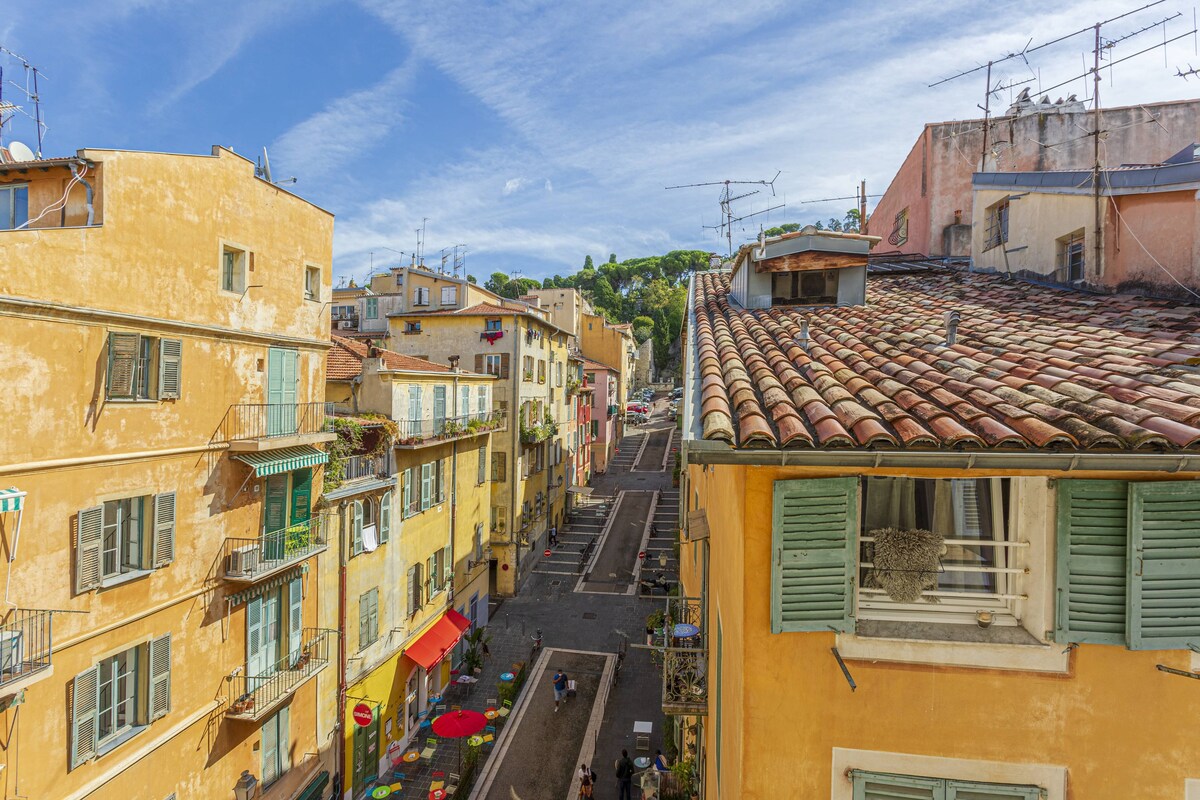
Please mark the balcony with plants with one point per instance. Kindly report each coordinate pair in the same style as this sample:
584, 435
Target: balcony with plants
412, 434
361, 453
682, 642
535, 434
250, 559
254, 697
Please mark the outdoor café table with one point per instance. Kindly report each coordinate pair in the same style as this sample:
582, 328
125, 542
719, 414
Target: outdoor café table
685, 630
381, 792
491, 713
506, 676
411, 756
642, 762
437, 794
475, 741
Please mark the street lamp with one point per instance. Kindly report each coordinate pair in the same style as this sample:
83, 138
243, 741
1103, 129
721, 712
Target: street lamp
247, 786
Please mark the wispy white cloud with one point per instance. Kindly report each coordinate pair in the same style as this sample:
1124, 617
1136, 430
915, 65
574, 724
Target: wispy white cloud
513, 184
347, 128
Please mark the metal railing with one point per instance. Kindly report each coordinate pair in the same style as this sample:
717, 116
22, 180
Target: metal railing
252, 697
272, 420
249, 559
25, 639
379, 465
685, 658
422, 432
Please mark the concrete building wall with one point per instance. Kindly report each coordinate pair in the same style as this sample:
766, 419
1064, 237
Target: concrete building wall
1036, 223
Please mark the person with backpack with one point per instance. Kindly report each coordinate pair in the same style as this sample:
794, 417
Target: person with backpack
560, 688
625, 776
587, 781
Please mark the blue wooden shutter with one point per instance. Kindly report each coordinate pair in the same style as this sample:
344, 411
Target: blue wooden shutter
84, 698
439, 409
255, 625
814, 539
1092, 552
170, 362
160, 676
1164, 565
426, 485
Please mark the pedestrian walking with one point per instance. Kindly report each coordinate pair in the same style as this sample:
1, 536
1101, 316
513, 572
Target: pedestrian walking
554, 536
625, 776
560, 688
587, 781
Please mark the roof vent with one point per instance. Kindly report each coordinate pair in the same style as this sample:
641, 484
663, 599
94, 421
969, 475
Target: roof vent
803, 338
951, 319
454, 362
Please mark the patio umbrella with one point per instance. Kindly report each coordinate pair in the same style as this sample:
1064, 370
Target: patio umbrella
459, 725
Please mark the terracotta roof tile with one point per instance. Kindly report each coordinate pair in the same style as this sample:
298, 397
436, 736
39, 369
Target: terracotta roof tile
1033, 367
344, 360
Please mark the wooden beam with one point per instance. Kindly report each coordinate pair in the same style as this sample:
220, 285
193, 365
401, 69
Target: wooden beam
810, 260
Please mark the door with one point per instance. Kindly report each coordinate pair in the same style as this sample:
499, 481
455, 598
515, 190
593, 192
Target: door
262, 637
281, 391
275, 513
366, 752
301, 510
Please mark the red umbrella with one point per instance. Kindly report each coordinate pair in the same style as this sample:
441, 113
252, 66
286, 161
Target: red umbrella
459, 725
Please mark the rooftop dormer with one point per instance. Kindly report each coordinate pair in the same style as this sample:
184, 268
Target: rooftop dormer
810, 267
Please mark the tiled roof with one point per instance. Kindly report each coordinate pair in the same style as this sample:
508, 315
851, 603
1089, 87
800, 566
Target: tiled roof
1033, 367
345, 358
482, 310
589, 364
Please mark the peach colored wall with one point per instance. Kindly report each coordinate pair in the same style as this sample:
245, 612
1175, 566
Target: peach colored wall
1166, 224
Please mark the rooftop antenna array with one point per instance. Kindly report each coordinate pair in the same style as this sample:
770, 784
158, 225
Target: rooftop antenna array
1101, 53
30, 90
263, 170
727, 199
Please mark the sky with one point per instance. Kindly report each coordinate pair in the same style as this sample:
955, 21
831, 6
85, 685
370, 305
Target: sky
535, 133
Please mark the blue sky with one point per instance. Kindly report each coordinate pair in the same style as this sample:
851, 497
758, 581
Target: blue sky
536, 133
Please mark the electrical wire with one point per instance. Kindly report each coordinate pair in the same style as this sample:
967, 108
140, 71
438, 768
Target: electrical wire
76, 179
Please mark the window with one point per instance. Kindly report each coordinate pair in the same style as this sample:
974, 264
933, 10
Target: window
372, 311
527, 368
478, 544
560, 374
385, 517
482, 401
997, 225
481, 471
121, 539
967, 518
414, 410
491, 325
499, 467
464, 402
882, 786
368, 619
421, 296
412, 327
899, 234
275, 747
426, 485
312, 283
491, 365
143, 367
439, 409
449, 295
233, 269
414, 589
117, 697
14, 206
1071, 255
541, 364
818, 287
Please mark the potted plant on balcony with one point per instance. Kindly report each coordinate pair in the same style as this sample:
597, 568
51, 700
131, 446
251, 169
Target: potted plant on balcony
244, 704
527, 375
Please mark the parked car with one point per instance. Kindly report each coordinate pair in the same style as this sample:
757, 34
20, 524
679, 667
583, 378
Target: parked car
677, 392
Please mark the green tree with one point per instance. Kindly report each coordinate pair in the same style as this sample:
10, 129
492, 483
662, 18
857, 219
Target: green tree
612, 258
587, 263
471, 279
496, 283
643, 328
852, 223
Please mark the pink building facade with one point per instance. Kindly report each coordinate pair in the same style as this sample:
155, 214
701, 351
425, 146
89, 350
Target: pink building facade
604, 411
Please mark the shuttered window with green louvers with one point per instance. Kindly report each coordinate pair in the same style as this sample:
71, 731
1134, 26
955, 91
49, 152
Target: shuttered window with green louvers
814, 537
1164, 565
883, 786
1093, 529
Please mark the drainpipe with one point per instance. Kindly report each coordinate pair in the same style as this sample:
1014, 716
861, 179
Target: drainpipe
339, 726
514, 425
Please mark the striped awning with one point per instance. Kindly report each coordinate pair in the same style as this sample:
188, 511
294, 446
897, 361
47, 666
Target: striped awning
11, 499
273, 582
272, 462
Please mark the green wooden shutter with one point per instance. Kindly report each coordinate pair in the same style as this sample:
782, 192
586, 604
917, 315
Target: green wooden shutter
364, 625
255, 634
356, 527
284, 737
122, 365
89, 533
170, 362
163, 543
270, 749
967, 790
1164, 565
84, 696
385, 517
406, 492
426, 485
301, 495
275, 503
373, 616
295, 617
1093, 529
881, 786
160, 676
814, 537
413, 578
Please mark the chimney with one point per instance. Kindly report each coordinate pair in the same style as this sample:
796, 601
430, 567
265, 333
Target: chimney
803, 340
951, 318
454, 363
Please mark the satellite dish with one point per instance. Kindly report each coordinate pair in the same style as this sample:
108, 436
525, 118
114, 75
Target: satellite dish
266, 167
20, 152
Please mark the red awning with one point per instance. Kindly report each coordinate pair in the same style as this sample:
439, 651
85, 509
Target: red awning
438, 640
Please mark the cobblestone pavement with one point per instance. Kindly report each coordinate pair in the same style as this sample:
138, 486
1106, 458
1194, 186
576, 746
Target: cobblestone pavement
538, 754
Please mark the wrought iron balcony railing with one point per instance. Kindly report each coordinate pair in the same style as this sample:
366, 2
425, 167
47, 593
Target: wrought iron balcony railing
251, 559
264, 421
683, 643
425, 432
25, 639
362, 467
254, 696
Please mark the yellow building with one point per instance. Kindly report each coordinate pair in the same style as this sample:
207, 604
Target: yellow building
527, 354
939, 541
164, 332
415, 288
411, 503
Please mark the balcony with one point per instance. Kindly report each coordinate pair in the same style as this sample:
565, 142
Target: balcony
252, 427
685, 659
352, 469
25, 639
255, 697
248, 560
534, 434
417, 433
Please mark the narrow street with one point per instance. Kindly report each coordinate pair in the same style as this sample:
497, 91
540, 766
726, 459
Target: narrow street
584, 599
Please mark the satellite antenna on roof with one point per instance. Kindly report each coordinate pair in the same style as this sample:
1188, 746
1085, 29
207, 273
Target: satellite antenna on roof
20, 152
265, 167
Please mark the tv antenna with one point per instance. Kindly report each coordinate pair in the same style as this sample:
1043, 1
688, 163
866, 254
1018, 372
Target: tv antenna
263, 170
727, 198
9, 109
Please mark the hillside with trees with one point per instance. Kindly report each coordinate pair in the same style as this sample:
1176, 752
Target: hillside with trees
650, 292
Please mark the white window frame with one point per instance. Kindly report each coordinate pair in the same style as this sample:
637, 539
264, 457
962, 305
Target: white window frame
133, 698
449, 295
1051, 778
491, 365
312, 283
118, 517
281, 720
421, 296
482, 400
955, 607
234, 268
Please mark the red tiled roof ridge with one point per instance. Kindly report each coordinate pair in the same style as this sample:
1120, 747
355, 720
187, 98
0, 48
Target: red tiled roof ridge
346, 355
1033, 367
